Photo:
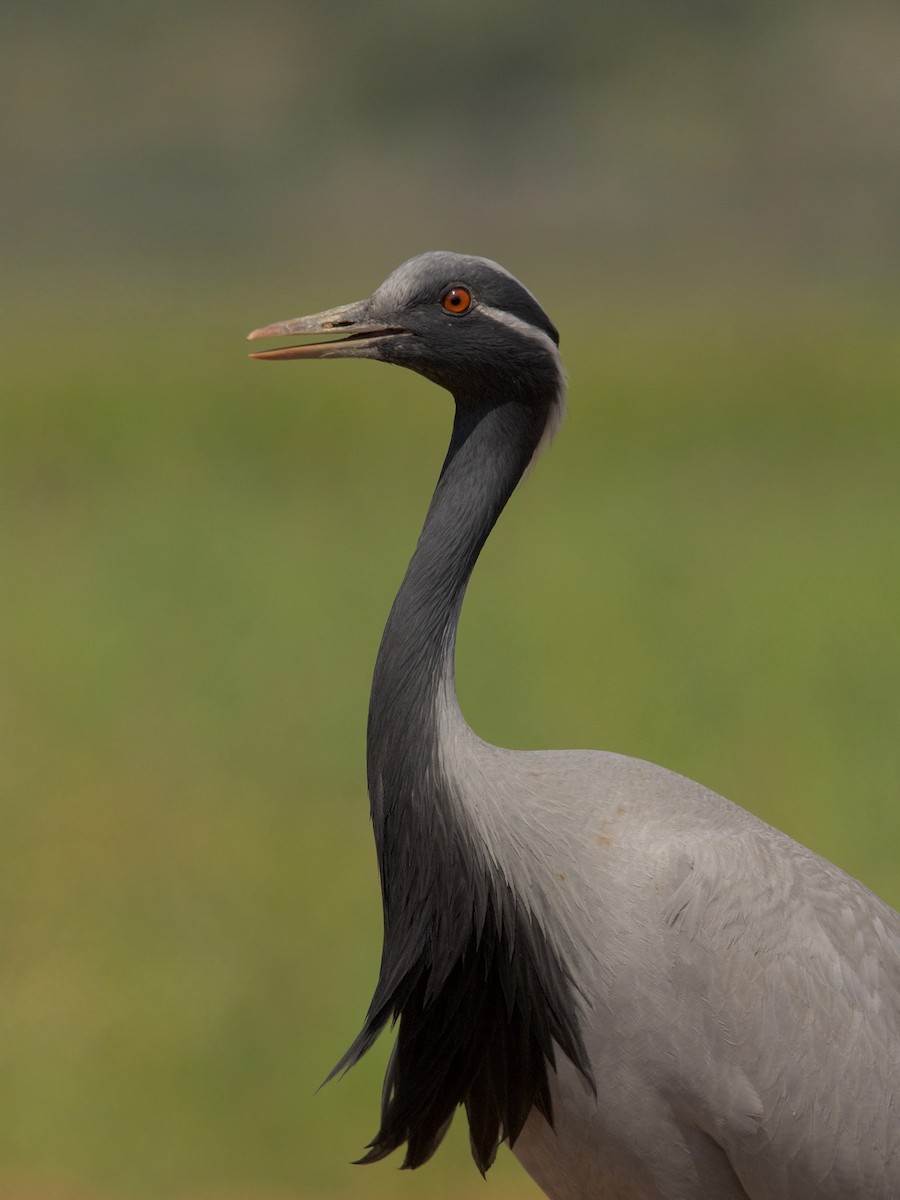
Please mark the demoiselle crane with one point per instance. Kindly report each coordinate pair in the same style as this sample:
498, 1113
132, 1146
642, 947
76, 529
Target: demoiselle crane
646, 991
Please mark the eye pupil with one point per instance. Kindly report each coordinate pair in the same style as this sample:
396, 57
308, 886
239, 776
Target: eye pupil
457, 300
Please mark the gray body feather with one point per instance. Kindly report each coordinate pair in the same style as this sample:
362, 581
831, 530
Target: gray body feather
646, 991
742, 1014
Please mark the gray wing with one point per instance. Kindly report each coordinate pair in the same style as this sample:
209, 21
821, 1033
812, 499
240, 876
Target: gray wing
793, 968
738, 990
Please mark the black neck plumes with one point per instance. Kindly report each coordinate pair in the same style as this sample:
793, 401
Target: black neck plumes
477, 1024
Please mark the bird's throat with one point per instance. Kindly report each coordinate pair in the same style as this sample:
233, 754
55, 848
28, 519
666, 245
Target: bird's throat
413, 701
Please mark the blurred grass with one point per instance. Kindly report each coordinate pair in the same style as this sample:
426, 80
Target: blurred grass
200, 553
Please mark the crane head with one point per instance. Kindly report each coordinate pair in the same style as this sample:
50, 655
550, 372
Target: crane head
462, 321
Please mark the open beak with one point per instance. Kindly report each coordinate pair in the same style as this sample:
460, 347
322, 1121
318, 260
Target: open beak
361, 335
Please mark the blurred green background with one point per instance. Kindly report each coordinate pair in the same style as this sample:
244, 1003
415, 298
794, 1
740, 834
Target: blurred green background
199, 551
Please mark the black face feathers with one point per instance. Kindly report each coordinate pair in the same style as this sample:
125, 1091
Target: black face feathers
504, 342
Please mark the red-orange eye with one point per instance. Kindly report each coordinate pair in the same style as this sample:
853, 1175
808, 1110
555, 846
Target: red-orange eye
457, 301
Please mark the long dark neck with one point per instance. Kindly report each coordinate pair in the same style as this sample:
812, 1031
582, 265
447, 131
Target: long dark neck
416, 815
491, 446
